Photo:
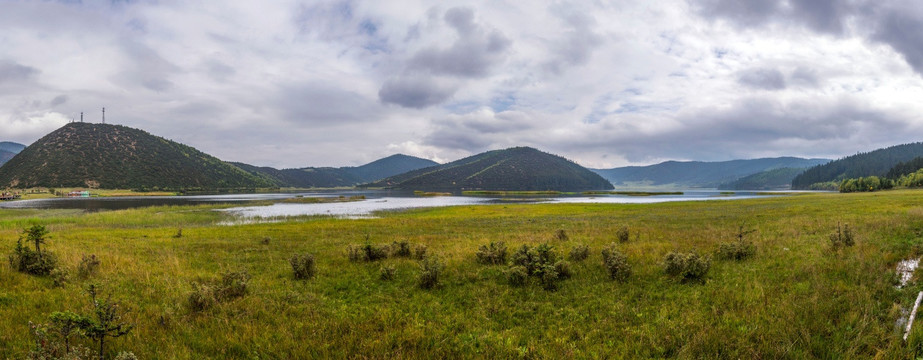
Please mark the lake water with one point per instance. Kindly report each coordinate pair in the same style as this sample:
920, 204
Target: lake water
376, 200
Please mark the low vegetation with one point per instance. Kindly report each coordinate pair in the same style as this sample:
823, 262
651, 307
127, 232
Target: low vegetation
686, 266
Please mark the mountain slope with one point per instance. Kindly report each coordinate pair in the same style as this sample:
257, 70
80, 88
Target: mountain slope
327, 177
775, 179
877, 163
114, 156
519, 168
699, 174
8, 150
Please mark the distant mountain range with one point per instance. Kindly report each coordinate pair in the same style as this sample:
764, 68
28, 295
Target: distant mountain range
699, 174
775, 179
519, 168
339, 177
8, 150
877, 162
118, 157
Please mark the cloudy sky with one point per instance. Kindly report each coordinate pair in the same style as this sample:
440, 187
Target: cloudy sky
606, 83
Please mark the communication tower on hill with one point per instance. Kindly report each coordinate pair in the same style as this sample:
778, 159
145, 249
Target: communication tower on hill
104, 115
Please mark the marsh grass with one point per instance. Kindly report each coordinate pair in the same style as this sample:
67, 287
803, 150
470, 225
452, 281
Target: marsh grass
795, 300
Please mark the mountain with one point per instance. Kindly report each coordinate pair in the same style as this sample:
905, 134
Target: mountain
699, 174
328, 177
877, 163
8, 150
516, 169
119, 157
775, 179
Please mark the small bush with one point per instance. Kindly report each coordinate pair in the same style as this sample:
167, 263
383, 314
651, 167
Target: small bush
367, 252
616, 263
842, 237
401, 249
516, 275
687, 267
355, 253
736, 250
540, 262
126, 355
386, 273
419, 252
548, 277
231, 285
32, 261
89, 265
59, 277
560, 235
622, 234
431, 267
202, 296
303, 266
563, 269
579, 253
492, 254
526, 257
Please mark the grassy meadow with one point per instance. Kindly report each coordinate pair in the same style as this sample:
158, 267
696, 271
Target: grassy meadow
796, 298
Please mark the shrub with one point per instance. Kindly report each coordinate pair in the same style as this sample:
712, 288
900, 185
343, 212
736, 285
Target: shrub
401, 249
622, 234
492, 254
233, 285
516, 275
89, 265
687, 267
579, 253
32, 261
59, 277
548, 277
560, 235
107, 322
540, 262
419, 252
431, 267
386, 273
563, 269
737, 250
367, 252
616, 263
202, 296
842, 237
303, 266
205, 294
355, 253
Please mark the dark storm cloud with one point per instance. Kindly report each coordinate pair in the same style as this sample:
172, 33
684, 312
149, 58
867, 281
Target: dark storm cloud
11, 72
903, 30
473, 54
762, 78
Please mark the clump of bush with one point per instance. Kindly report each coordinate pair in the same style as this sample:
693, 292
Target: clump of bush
842, 237
622, 234
540, 262
386, 273
560, 235
419, 251
32, 261
579, 253
367, 252
59, 276
686, 266
492, 254
616, 263
431, 268
401, 249
231, 285
737, 250
89, 265
303, 266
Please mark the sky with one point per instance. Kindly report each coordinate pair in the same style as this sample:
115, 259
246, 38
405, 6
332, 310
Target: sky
288, 83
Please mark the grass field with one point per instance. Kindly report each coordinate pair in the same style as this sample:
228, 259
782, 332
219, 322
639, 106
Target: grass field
796, 298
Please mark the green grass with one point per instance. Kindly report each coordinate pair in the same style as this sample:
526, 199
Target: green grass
794, 299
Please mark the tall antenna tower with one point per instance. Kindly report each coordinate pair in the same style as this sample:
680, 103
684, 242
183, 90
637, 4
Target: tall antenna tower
81, 116
104, 115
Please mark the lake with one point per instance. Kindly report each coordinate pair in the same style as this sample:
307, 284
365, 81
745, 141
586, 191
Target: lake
376, 200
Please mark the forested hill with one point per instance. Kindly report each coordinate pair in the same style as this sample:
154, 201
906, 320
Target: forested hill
119, 157
8, 150
700, 174
775, 179
877, 163
328, 177
520, 168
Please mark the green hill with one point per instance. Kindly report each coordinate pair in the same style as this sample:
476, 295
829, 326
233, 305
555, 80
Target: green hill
700, 174
119, 157
8, 150
775, 179
516, 169
327, 177
874, 163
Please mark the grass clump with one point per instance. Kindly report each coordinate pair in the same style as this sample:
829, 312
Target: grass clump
303, 266
431, 267
686, 266
737, 250
419, 251
492, 254
401, 249
560, 235
59, 277
622, 234
88, 266
579, 252
32, 260
843, 237
616, 263
367, 252
386, 273
205, 294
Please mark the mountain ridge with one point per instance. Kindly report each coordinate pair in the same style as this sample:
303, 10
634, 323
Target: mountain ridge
700, 174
